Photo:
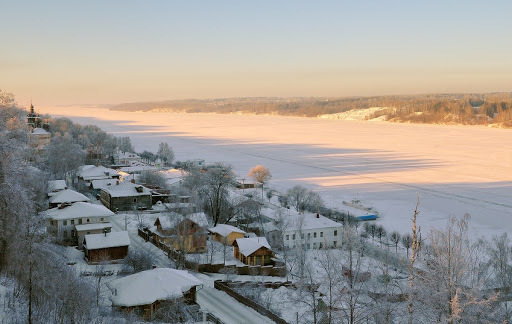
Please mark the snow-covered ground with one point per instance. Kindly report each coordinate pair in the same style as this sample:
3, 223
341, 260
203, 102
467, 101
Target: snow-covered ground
453, 169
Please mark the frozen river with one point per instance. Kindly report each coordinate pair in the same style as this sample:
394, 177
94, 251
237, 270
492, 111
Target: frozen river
453, 169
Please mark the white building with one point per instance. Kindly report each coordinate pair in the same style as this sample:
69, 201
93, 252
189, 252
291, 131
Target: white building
311, 231
64, 218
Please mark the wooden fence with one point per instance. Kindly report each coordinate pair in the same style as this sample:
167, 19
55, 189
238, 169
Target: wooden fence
249, 303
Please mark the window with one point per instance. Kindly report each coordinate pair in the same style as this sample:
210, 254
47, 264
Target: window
314, 245
321, 234
314, 234
302, 236
334, 243
72, 222
293, 237
335, 232
79, 221
87, 220
101, 219
72, 233
309, 235
134, 200
309, 246
320, 246
287, 237
65, 222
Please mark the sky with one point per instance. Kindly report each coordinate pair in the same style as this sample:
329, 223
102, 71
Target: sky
109, 52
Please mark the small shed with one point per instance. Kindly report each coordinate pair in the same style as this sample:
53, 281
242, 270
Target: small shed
253, 251
106, 247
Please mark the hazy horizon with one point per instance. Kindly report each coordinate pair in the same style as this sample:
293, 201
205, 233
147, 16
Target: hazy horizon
60, 52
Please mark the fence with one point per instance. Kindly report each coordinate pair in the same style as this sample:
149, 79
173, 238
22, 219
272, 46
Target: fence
272, 271
249, 303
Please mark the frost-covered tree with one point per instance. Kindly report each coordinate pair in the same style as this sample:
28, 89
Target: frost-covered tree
214, 192
63, 156
165, 153
124, 144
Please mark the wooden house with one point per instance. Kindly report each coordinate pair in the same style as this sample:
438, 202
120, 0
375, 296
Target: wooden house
67, 196
183, 233
126, 196
226, 234
106, 247
93, 228
253, 251
147, 290
88, 173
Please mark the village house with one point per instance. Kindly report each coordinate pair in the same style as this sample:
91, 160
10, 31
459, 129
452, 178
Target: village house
126, 196
183, 233
311, 231
108, 246
93, 228
226, 234
96, 185
64, 218
56, 186
253, 251
147, 290
88, 173
67, 196
127, 158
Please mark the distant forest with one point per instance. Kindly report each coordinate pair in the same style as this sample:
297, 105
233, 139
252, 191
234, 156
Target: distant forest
467, 109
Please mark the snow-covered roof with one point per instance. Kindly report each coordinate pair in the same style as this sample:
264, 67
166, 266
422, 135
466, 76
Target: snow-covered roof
67, 196
39, 131
225, 230
304, 221
97, 172
137, 168
79, 210
56, 185
126, 189
103, 183
170, 220
248, 246
106, 240
94, 226
146, 287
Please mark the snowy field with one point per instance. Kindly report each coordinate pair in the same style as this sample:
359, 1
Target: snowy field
453, 169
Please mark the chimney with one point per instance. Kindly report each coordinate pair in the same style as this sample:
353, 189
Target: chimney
133, 180
317, 215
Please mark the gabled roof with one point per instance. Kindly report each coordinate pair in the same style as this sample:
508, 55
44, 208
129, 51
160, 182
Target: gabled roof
309, 221
97, 172
127, 189
248, 246
67, 196
170, 221
106, 240
225, 230
148, 286
56, 185
78, 210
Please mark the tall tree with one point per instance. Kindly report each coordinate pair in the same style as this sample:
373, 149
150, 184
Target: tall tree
165, 153
214, 192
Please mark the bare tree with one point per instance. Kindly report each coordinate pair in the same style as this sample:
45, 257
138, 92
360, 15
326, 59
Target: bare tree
260, 174
395, 238
214, 192
407, 242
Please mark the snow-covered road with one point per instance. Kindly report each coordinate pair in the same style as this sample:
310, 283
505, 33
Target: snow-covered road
227, 309
210, 299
